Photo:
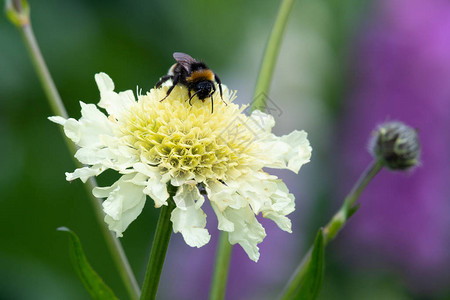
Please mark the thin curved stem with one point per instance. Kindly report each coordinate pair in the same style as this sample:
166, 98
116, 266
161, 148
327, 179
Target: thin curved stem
158, 252
220, 277
270, 56
58, 108
348, 206
333, 227
224, 248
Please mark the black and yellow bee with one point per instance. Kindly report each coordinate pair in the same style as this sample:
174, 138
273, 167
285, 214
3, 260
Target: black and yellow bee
193, 74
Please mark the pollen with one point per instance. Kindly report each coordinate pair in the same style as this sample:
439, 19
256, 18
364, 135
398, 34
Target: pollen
187, 141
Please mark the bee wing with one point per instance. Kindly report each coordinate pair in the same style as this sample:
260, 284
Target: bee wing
184, 59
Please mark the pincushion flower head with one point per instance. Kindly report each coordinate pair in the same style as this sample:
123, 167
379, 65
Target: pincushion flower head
174, 149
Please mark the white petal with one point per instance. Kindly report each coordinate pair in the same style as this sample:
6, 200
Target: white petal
281, 204
94, 133
72, 129
92, 125
256, 188
282, 200
180, 180
224, 196
92, 156
111, 156
247, 231
263, 121
223, 223
104, 82
188, 195
287, 152
283, 222
156, 188
58, 120
190, 220
116, 155
124, 203
85, 173
86, 132
267, 194
114, 103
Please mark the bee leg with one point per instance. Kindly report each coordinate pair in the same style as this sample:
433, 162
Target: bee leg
211, 96
220, 87
212, 104
175, 82
189, 94
190, 98
162, 80
168, 93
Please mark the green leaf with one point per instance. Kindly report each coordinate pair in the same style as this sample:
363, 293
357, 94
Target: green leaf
352, 210
312, 282
91, 280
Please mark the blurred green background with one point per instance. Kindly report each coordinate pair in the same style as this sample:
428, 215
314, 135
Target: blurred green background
133, 42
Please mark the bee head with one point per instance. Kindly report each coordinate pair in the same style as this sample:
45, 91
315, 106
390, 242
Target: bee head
204, 89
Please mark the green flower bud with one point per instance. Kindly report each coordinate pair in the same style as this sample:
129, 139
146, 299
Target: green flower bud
396, 145
18, 12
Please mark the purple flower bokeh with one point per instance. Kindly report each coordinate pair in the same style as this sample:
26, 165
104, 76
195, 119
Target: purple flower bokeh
404, 74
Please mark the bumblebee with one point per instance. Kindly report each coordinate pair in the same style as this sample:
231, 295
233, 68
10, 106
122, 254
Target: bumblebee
193, 74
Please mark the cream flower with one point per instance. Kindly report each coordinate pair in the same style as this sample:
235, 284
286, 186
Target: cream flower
153, 144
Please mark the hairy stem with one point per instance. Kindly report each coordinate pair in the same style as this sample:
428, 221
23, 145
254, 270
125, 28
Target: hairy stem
58, 108
333, 227
158, 252
223, 257
270, 56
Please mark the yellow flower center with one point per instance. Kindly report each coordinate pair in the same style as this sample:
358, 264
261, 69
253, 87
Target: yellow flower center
190, 141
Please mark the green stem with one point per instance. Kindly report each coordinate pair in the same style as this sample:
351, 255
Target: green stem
333, 227
58, 108
270, 56
48, 85
223, 257
224, 249
158, 252
348, 207
113, 244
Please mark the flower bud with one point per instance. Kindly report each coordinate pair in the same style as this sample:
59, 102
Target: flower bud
18, 12
396, 145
